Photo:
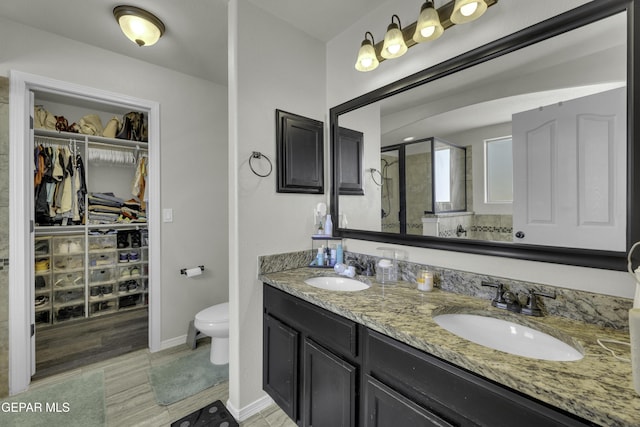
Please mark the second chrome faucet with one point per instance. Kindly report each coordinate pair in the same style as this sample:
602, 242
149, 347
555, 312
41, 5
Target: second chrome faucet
507, 300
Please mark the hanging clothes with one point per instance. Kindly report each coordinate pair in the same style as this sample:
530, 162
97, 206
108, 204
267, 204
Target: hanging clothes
139, 186
59, 183
81, 190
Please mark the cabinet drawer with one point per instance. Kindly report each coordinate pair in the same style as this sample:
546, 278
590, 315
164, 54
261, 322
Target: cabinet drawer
385, 407
335, 332
451, 393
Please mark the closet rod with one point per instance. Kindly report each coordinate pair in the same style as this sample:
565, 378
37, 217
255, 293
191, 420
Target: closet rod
52, 140
122, 147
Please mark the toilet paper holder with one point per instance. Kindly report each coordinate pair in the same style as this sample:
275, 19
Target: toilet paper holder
184, 270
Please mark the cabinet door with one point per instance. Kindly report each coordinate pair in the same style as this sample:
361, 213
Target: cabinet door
300, 156
385, 407
329, 388
280, 365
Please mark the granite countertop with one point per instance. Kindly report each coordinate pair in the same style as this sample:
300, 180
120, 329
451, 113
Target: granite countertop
597, 388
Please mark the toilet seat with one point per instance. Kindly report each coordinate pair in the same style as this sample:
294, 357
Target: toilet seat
215, 314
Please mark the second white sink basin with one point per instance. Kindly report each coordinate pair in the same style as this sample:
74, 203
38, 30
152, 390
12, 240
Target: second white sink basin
507, 336
332, 283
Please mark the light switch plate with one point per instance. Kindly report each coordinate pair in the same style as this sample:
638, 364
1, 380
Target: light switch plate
167, 215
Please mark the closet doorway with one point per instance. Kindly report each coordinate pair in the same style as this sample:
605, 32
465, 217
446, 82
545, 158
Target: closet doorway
86, 274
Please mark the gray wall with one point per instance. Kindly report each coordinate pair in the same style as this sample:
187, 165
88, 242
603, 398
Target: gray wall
193, 153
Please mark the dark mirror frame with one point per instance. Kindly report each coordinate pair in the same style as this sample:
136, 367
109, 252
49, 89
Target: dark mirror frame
575, 18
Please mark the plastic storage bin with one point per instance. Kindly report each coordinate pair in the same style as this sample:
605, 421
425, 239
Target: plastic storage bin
65, 245
68, 280
102, 259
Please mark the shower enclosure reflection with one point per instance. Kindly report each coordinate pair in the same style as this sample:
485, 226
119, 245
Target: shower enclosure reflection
422, 182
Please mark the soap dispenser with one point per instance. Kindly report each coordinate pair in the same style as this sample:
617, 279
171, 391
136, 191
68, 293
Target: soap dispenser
328, 226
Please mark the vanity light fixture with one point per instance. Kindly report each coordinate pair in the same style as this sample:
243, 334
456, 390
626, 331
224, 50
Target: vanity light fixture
394, 45
140, 26
467, 10
367, 58
430, 25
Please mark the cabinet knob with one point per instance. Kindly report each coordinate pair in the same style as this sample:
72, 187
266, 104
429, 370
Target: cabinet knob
520, 235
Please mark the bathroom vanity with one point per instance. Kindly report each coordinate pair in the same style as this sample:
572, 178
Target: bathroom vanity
376, 358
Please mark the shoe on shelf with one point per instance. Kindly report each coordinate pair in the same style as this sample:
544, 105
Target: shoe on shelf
42, 264
134, 257
135, 239
123, 257
74, 247
132, 285
40, 282
41, 248
123, 239
134, 271
41, 300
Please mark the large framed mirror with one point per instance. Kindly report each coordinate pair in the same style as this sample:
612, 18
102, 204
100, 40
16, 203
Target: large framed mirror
545, 119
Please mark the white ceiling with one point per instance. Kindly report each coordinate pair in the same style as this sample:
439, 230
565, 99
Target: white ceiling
196, 30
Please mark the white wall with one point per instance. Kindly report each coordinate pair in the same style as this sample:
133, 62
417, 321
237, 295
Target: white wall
344, 83
272, 66
475, 140
363, 212
193, 133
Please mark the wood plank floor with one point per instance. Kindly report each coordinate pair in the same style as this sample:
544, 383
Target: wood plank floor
129, 398
78, 343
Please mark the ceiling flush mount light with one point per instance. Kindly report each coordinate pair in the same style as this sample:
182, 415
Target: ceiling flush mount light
140, 26
367, 58
468, 10
430, 25
394, 45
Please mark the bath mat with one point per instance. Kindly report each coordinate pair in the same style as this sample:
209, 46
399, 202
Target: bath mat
78, 401
213, 415
185, 377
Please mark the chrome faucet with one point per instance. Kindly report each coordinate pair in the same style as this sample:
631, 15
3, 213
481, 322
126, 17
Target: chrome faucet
504, 299
532, 308
507, 300
365, 270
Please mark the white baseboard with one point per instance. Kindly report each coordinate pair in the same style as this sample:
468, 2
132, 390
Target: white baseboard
251, 409
173, 342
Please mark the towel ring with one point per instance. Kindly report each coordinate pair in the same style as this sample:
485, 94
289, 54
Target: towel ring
259, 155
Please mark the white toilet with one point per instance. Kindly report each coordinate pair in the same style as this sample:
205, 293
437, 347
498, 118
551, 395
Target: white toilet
214, 322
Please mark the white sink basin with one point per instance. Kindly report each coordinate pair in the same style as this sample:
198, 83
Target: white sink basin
337, 283
507, 336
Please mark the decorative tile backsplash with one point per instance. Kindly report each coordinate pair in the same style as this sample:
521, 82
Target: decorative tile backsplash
603, 310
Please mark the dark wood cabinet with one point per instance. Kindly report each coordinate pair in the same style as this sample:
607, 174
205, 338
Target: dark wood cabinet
351, 156
329, 388
325, 370
384, 407
300, 154
280, 364
455, 396
310, 361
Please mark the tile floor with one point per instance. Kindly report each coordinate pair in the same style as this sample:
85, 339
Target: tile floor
129, 399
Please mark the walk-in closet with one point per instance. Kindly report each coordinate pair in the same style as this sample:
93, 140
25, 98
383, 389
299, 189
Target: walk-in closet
90, 231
